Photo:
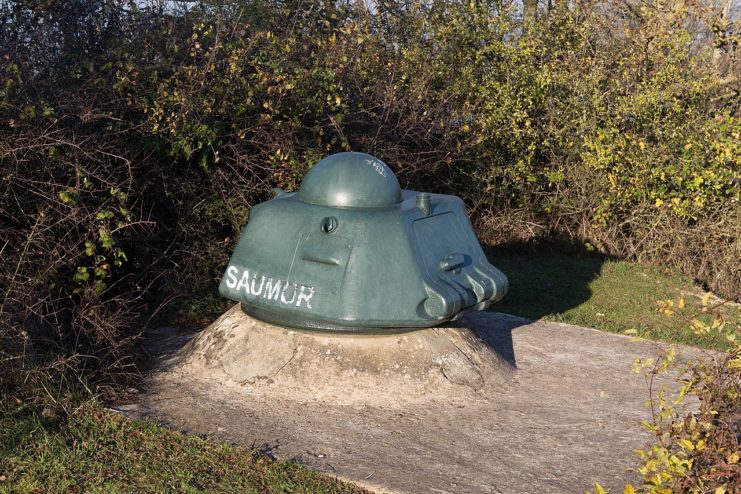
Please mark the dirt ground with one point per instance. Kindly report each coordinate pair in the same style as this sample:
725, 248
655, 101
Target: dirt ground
568, 417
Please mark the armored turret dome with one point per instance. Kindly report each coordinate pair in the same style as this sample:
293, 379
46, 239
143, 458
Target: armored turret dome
351, 180
346, 253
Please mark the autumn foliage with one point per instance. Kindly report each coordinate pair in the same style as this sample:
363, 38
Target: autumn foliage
135, 136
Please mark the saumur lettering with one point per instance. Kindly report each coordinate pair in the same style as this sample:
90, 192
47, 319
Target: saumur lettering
267, 287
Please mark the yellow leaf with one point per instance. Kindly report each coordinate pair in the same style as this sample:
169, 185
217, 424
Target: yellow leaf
598, 489
681, 303
733, 458
631, 331
686, 444
629, 489
659, 203
720, 490
706, 298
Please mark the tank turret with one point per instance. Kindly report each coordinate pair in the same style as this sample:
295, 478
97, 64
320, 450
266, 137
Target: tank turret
351, 251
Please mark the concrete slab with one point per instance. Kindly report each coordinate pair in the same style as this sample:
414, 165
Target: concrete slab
568, 417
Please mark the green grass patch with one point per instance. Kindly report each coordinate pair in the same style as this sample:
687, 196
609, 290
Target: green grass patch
579, 287
94, 450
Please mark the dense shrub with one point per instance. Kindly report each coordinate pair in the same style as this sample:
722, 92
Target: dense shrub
612, 125
135, 137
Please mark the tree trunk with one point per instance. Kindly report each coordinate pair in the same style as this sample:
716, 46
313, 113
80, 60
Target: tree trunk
722, 28
529, 12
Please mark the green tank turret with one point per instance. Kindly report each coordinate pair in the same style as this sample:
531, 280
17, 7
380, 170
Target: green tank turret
351, 251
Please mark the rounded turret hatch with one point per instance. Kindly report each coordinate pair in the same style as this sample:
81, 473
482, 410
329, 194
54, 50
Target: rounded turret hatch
351, 180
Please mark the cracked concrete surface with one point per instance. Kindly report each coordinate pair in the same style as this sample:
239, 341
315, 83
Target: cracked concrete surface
497, 404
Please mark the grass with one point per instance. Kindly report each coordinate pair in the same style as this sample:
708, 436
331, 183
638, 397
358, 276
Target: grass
578, 287
93, 450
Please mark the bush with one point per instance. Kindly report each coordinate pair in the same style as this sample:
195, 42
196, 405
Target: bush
695, 451
136, 137
610, 125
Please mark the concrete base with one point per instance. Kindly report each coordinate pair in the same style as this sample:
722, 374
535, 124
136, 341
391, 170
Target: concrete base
569, 416
451, 362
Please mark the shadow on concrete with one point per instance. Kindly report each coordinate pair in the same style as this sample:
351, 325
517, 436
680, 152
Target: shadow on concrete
160, 345
495, 329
